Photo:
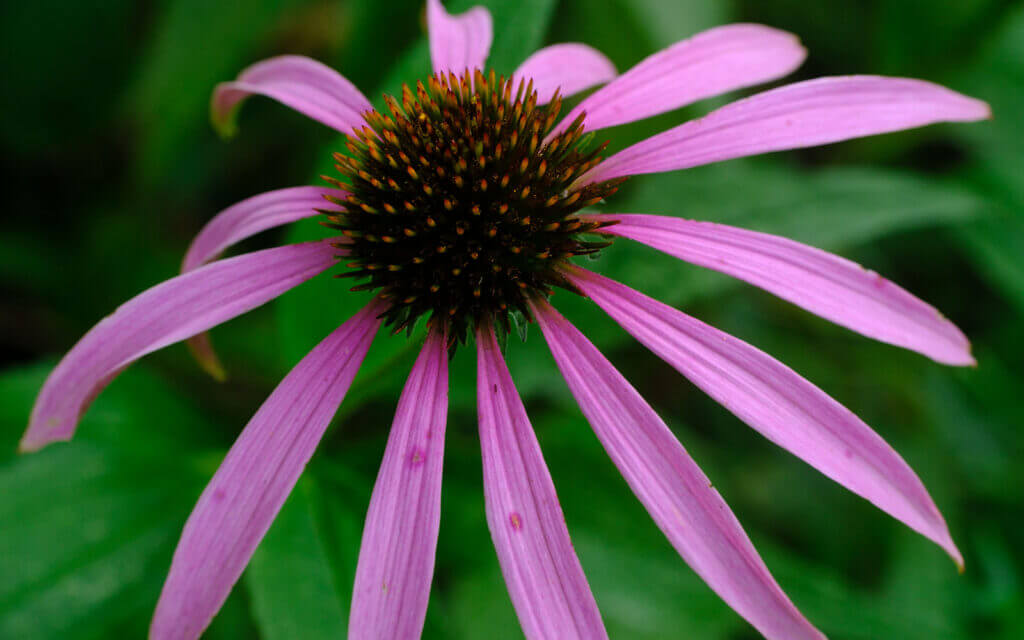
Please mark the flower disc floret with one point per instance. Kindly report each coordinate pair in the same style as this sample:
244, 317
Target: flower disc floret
461, 204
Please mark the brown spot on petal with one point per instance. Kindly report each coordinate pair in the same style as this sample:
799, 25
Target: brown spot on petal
516, 521
417, 457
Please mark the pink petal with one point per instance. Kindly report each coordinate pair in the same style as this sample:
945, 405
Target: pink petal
804, 114
168, 313
568, 68
678, 495
458, 42
396, 558
772, 398
832, 287
253, 215
238, 222
544, 577
310, 87
703, 66
255, 478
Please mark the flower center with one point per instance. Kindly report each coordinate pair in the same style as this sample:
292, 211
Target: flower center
460, 207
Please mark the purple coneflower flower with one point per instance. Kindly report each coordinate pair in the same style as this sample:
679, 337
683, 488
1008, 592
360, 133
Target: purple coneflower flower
464, 201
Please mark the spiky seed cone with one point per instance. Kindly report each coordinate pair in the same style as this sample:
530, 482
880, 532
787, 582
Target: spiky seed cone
458, 209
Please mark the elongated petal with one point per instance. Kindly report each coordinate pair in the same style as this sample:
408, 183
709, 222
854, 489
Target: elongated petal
396, 558
238, 222
169, 312
253, 215
544, 577
703, 66
252, 483
677, 494
804, 114
568, 68
832, 287
461, 41
782, 406
310, 87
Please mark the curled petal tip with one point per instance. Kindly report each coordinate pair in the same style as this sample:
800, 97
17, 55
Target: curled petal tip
307, 86
954, 553
202, 351
214, 369
959, 107
45, 428
802, 49
222, 117
31, 444
944, 540
983, 110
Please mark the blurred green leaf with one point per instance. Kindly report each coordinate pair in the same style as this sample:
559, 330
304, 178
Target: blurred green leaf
294, 591
86, 542
89, 526
667, 23
976, 415
197, 45
940, 34
519, 29
619, 33
138, 414
997, 76
996, 247
374, 39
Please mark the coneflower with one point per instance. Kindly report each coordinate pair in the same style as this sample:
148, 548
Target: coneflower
463, 203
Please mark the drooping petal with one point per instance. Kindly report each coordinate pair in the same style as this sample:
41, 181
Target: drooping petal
255, 478
169, 312
458, 42
677, 494
832, 287
238, 222
804, 114
310, 87
544, 577
774, 400
253, 215
703, 66
568, 68
206, 356
396, 558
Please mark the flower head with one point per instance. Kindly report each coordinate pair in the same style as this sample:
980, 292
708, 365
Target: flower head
460, 207
465, 200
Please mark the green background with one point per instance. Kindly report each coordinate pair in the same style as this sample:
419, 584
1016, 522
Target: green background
111, 167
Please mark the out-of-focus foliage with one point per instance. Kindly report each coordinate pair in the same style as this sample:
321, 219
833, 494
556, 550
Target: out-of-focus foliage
111, 167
